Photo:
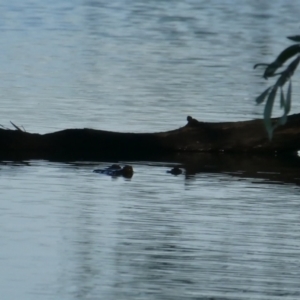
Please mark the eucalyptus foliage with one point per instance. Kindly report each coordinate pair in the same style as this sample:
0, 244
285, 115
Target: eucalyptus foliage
285, 76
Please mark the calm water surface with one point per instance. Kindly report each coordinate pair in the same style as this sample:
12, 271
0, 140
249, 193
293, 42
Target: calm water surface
228, 228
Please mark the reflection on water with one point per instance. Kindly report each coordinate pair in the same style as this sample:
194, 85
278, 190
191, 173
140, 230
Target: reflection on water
76, 234
227, 228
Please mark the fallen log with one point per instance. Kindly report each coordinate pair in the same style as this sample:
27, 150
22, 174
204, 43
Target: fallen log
90, 144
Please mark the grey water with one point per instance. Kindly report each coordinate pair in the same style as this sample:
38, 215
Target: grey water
227, 228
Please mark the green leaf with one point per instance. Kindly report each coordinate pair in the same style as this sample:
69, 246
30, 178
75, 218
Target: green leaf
288, 98
293, 65
285, 55
268, 111
282, 100
288, 53
283, 119
295, 38
286, 105
261, 98
288, 72
271, 69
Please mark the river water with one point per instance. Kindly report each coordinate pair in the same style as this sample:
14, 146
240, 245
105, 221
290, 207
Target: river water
227, 228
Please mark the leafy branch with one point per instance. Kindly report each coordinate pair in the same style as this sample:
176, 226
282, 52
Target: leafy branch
284, 77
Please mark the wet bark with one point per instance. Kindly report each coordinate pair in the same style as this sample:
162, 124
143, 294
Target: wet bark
90, 144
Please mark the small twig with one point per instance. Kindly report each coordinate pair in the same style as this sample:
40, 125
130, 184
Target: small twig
18, 128
6, 128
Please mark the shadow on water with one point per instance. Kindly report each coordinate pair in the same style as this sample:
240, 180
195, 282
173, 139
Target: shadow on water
277, 169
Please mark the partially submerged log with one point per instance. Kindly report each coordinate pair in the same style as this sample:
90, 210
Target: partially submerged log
89, 144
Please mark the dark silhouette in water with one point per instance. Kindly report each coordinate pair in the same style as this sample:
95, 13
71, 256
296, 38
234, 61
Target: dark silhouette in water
116, 171
175, 171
